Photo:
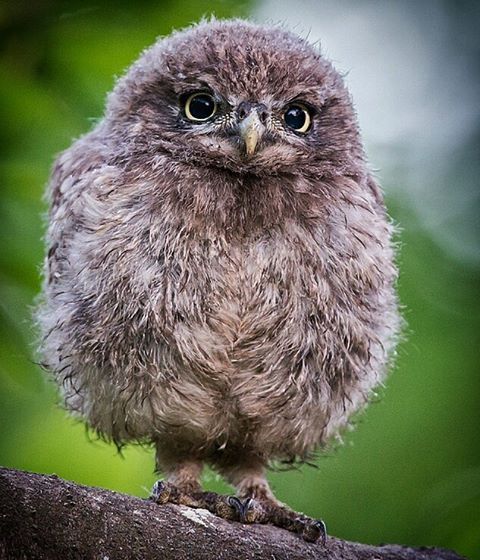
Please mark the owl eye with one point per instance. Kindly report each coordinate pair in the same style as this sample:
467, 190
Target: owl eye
297, 118
200, 107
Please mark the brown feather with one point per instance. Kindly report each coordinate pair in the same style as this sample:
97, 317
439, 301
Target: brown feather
214, 304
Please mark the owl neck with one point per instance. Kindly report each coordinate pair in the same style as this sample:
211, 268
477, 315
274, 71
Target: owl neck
239, 205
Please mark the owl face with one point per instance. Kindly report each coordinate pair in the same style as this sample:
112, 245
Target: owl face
237, 96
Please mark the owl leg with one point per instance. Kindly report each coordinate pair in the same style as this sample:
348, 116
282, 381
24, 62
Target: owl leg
259, 505
183, 487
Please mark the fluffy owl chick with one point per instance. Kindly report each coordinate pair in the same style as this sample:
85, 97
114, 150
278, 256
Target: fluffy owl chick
220, 276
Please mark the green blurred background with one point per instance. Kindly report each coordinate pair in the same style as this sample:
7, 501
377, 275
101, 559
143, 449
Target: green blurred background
410, 472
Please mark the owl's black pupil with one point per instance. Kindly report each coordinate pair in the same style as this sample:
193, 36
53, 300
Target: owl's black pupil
202, 106
295, 117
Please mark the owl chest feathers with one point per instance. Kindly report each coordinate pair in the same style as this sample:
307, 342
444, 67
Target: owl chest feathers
206, 339
236, 320
208, 333
229, 309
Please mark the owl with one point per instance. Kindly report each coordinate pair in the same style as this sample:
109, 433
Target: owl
220, 277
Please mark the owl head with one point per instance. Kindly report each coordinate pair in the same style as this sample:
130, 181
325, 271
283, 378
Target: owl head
240, 97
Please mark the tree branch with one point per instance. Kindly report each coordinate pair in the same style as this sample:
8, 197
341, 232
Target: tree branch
44, 517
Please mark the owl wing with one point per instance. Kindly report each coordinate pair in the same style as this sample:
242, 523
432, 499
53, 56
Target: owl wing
375, 189
72, 173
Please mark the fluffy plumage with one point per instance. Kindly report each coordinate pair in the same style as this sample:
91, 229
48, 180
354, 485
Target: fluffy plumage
231, 309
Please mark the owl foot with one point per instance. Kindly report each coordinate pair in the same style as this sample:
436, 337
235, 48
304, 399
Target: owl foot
222, 506
266, 511
247, 510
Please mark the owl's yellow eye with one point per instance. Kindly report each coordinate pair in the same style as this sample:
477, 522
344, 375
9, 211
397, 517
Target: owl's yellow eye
297, 118
200, 107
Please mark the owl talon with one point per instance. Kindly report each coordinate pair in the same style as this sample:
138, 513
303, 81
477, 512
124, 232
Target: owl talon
311, 530
253, 511
161, 492
314, 530
249, 510
235, 503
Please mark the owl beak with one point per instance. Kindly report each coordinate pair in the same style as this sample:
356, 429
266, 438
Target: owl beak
251, 130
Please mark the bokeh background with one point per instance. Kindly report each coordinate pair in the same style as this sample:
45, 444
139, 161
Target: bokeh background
410, 472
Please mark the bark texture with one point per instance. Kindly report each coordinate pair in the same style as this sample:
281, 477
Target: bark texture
44, 517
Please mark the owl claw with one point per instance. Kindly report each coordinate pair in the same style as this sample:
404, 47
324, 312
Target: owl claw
161, 492
249, 510
252, 511
313, 530
235, 503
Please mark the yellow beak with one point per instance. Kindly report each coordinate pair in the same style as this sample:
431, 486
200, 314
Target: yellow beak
251, 130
